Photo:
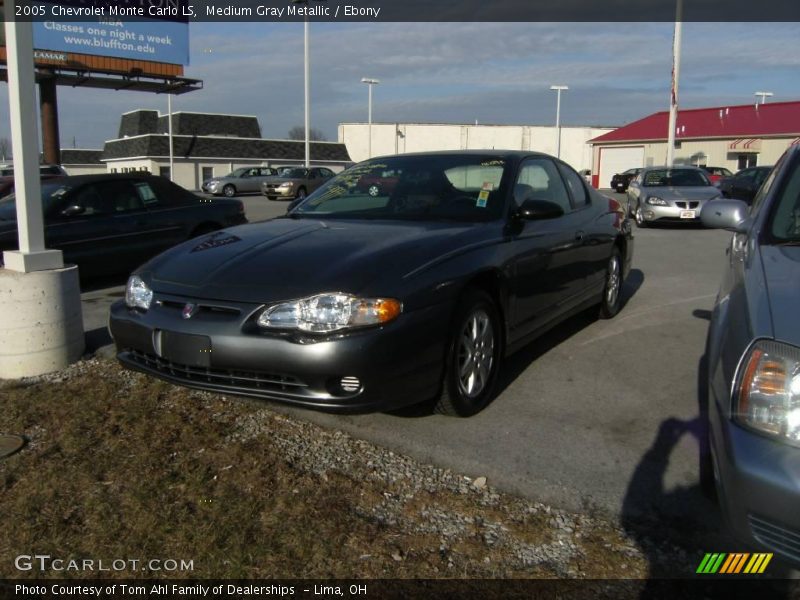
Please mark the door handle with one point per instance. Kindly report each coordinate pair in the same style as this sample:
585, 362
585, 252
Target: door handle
579, 235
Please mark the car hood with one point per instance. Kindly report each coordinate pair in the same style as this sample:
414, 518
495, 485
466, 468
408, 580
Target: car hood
291, 258
782, 275
705, 192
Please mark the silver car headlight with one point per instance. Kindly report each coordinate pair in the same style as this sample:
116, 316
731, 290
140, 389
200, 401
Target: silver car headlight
767, 398
286, 184
655, 200
137, 293
330, 312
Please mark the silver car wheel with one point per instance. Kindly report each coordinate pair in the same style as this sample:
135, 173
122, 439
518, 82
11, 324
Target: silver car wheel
373, 190
475, 353
613, 281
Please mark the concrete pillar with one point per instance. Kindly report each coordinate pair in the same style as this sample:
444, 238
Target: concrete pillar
48, 108
41, 323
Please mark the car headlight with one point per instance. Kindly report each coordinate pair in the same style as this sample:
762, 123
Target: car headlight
137, 293
330, 312
657, 201
286, 184
768, 395
213, 183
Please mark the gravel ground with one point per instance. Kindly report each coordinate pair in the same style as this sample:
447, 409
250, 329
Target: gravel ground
512, 533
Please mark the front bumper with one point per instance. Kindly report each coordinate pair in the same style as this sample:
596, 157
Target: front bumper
673, 212
275, 193
396, 365
759, 480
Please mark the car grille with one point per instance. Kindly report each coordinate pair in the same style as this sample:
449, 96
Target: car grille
270, 186
776, 537
252, 380
684, 204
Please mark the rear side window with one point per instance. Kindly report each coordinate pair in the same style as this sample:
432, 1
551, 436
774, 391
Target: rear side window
119, 196
785, 226
146, 193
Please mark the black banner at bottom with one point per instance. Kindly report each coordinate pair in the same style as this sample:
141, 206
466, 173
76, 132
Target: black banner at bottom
384, 589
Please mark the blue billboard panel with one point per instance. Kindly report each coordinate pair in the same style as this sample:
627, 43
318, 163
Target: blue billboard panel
156, 40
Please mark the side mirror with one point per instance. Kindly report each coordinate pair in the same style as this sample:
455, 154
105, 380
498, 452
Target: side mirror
733, 215
535, 210
73, 210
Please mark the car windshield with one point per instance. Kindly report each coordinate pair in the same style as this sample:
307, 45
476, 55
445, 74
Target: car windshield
785, 225
51, 193
462, 187
293, 173
675, 178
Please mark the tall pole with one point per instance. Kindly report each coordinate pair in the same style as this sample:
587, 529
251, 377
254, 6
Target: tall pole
763, 96
558, 89
169, 127
307, 86
673, 95
32, 255
370, 82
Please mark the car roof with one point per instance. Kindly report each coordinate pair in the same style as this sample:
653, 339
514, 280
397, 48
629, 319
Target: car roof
493, 152
675, 168
80, 179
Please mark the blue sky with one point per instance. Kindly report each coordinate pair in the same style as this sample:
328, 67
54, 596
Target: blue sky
454, 72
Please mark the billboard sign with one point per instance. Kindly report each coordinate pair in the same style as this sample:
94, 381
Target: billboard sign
147, 39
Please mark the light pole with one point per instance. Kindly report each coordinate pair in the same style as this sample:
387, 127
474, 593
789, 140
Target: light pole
370, 82
306, 85
673, 92
558, 89
763, 96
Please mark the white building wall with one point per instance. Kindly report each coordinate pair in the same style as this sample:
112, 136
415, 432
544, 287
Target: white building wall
400, 138
84, 169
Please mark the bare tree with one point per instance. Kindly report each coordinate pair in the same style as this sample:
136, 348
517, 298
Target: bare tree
5, 149
298, 132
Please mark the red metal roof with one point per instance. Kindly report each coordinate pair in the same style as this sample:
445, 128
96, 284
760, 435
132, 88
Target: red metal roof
775, 118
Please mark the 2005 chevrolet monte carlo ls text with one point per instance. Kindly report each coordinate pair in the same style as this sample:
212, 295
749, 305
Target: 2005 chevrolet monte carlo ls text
355, 302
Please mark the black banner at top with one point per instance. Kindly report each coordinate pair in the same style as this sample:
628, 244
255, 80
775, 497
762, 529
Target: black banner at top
623, 12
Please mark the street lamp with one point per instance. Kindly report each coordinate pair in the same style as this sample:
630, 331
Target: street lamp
558, 89
370, 82
306, 86
763, 96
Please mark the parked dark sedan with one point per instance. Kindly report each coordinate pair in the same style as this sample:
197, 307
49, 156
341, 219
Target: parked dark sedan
745, 184
621, 181
354, 302
112, 223
753, 357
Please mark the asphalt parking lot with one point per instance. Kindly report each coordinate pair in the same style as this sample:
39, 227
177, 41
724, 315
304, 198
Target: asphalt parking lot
596, 415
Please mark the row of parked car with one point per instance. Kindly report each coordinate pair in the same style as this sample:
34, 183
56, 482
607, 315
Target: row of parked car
284, 183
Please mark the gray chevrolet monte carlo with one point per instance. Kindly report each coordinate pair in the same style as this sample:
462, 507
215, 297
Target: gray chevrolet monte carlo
355, 302
753, 355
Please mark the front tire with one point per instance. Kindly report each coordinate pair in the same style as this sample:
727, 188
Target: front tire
473, 358
612, 296
301, 194
229, 191
374, 191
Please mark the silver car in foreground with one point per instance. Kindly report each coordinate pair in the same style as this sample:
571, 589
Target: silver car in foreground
753, 354
662, 194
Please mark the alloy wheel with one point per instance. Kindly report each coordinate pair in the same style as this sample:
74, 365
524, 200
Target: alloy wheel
475, 353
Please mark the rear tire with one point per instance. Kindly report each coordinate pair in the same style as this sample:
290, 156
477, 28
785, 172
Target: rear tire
473, 357
612, 290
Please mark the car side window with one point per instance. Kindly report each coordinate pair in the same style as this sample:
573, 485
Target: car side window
146, 194
575, 185
746, 175
119, 196
90, 200
327, 172
538, 179
763, 191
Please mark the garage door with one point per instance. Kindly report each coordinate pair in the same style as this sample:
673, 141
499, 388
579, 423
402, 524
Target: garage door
617, 160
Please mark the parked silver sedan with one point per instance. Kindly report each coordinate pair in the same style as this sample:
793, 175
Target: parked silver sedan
753, 353
661, 194
239, 181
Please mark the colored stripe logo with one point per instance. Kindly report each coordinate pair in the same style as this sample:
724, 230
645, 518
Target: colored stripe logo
734, 563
